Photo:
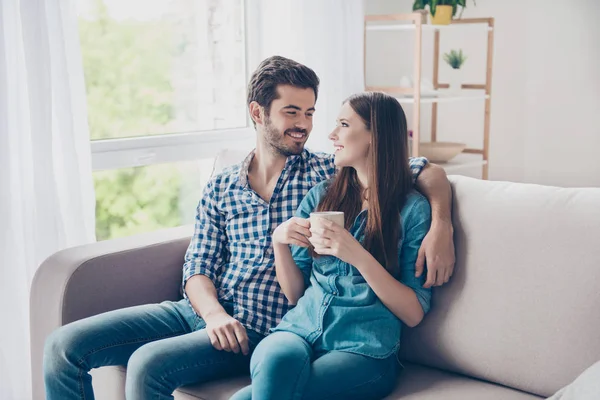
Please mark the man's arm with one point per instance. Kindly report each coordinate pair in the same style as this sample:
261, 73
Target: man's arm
202, 293
438, 246
203, 262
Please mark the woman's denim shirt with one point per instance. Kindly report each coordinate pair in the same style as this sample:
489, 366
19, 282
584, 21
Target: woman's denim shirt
339, 311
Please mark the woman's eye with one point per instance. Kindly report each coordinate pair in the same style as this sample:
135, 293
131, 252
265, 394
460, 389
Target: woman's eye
344, 124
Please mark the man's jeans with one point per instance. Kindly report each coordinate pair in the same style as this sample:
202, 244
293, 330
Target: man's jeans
164, 346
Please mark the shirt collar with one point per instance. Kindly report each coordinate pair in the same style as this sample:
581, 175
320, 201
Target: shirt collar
289, 162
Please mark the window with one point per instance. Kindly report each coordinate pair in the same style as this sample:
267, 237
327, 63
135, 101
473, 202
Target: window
166, 90
142, 199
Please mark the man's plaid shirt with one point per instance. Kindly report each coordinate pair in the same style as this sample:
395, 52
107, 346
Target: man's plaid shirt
232, 236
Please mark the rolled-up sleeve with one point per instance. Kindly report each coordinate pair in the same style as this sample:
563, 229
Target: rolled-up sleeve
416, 227
416, 165
206, 253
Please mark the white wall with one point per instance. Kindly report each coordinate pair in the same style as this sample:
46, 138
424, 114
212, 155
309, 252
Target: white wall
545, 125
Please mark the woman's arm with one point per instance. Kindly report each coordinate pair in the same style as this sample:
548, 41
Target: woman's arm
407, 298
289, 276
293, 266
291, 279
399, 298
330, 239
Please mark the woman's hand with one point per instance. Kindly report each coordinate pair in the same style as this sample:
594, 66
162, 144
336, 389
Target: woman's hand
328, 238
293, 231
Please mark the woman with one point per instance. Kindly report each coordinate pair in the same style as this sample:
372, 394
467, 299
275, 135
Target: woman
353, 287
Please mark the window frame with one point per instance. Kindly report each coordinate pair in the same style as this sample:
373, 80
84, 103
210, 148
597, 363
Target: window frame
141, 151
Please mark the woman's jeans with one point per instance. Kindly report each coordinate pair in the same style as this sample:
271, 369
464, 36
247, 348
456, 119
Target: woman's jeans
285, 367
164, 346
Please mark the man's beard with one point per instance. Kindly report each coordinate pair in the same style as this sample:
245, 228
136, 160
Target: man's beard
276, 140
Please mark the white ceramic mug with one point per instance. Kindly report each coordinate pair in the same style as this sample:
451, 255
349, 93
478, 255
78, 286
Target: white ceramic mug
335, 216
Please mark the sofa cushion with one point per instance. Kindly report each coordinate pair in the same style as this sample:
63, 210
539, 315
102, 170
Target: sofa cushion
522, 307
414, 383
586, 386
218, 390
109, 384
417, 382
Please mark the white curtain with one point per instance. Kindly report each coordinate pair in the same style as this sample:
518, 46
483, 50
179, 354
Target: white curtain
325, 35
46, 189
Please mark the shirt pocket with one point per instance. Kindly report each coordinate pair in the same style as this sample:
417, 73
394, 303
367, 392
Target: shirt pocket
245, 250
326, 265
247, 222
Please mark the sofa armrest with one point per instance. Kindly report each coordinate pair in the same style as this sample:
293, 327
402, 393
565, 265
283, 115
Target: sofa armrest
91, 279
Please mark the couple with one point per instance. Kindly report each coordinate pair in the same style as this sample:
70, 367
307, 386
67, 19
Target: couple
250, 261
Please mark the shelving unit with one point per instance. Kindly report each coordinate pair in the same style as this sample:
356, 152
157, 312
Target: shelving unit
416, 22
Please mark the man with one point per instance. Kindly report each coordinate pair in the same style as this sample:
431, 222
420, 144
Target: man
232, 298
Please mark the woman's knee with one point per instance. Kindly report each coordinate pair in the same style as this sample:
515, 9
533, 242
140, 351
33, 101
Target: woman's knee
144, 365
279, 351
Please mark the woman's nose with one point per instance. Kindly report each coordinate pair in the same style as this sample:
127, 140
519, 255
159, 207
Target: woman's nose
333, 134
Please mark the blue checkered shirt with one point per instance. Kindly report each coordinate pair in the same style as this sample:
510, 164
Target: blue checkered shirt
232, 244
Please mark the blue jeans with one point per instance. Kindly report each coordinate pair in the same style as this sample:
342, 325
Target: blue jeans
164, 346
284, 367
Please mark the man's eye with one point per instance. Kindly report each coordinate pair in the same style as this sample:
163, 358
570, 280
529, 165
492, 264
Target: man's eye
309, 115
291, 112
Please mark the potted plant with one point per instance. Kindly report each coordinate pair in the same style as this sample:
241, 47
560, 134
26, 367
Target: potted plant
442, 11
455, 60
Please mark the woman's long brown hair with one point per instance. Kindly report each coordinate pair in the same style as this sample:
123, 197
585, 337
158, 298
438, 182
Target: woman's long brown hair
390, 178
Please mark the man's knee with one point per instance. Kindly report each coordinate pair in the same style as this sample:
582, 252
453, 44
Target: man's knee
60, 349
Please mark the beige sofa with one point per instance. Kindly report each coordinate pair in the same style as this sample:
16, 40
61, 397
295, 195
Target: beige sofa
519, 320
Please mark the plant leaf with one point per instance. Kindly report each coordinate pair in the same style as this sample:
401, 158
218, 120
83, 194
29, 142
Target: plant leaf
419, 5
432, 6
455, 58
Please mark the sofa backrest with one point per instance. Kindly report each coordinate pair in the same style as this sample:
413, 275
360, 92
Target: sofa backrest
523, 306
228, 157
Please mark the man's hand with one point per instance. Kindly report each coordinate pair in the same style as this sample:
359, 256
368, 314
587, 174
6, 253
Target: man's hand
226, 333
438, 250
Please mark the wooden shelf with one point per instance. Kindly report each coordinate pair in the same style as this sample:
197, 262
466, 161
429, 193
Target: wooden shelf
463, 161
406, 96
416, 22
442, 98
425, 27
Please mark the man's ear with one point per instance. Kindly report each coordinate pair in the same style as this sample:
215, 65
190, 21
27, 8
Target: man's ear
257, 113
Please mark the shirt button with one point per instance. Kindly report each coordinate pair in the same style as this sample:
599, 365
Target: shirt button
335, 293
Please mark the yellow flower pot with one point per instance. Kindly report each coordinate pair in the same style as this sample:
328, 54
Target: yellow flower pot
443, 15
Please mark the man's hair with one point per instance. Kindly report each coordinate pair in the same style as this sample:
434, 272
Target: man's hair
277, 70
